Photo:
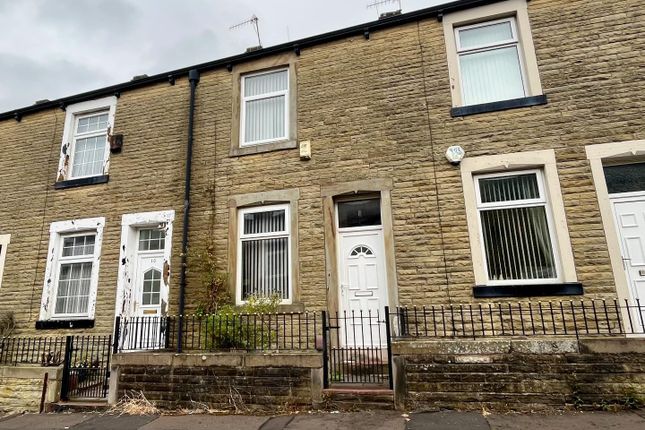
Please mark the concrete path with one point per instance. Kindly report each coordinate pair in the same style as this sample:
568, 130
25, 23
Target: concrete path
384, 420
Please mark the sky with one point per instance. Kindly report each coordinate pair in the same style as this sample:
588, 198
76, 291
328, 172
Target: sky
56, 48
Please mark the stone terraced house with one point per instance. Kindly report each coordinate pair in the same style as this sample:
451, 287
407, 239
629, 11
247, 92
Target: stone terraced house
318, 171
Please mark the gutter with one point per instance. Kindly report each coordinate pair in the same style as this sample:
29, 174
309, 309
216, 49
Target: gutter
193, 78
228, 62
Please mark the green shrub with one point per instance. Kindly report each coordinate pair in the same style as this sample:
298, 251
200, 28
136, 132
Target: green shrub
241, 327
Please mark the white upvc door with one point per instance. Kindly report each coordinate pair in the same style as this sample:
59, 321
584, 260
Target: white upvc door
148, 299
629, 212
363, 287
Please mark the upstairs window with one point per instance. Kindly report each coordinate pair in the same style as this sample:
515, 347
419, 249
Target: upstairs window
89, 144
516, 228
264, 257
490, 62
264, 107
85, 149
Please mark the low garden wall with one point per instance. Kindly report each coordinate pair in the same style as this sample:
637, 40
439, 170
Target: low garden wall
520, 374
21, 387
231, 381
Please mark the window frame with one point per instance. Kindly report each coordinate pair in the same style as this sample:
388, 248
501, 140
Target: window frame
542, 201
242, 237
5, 239
85, 258
244, 99
58, 231
514, 42
75, 136
73, 114
517, 11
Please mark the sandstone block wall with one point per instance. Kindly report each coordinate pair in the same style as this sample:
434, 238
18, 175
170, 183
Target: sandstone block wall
21, 387
524, 375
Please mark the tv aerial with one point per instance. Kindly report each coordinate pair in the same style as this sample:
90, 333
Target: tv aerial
376, 3
253, 21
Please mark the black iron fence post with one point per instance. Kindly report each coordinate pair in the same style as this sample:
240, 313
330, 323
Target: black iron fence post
117, 333
325, 351
67, 363
388, 335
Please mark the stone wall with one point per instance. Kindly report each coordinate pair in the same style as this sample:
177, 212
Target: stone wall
21, 387
230, 381
522, 374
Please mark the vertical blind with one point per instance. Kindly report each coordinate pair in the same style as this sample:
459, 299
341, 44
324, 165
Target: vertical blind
490, 64
517, 240
265, 259
265, 100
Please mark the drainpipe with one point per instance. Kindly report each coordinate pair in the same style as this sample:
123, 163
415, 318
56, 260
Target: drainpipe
193, 78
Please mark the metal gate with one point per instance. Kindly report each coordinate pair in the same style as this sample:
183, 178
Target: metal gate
86, 369
357, 349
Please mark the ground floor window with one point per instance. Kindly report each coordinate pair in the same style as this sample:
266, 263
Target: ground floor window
264, 252
515, 227
72, 272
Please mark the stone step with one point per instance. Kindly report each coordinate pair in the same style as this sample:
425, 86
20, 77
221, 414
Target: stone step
78, 406
358, 397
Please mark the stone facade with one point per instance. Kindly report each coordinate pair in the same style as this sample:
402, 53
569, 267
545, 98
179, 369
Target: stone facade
522, 374
234, 381
21, 387
376, 108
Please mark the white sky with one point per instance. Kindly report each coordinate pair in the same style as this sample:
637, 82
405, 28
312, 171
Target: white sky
55, 48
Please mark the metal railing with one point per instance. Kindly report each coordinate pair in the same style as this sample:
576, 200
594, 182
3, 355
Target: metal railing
561, 318
86, 367
220, 332
357, 348
44, 351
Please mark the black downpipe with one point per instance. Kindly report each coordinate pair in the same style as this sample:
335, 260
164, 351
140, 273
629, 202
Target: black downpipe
193, 78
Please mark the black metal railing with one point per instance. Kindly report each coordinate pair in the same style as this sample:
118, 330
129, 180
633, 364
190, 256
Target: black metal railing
44, 351
562, 318
357, 348
220, 332
86, 367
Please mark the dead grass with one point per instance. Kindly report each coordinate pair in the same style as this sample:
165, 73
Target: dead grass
134, 404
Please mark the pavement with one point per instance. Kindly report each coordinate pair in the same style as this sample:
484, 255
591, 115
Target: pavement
375, 420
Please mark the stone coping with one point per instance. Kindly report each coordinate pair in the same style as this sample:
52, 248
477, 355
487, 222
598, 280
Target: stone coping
30, 372
311, 360
605, 345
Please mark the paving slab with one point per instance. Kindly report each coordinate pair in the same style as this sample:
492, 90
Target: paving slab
44, 421
382, 420
110, 422
448, 420
569, 421
277, 423
202, 422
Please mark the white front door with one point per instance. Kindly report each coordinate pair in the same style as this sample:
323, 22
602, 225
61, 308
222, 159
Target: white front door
363, 289
630, 220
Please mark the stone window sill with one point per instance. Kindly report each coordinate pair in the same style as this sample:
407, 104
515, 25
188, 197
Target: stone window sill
534, 290
72, 183
64, 324
264, 147
498, 106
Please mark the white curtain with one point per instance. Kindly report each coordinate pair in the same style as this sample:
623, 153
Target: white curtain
88, 156
73, 288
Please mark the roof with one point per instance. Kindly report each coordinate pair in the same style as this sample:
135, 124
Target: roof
361, 29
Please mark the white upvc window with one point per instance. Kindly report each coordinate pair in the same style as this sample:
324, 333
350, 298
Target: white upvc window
85, 151
490, 62
516, 227
74, 275
264, 107
71, 274
264, 258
